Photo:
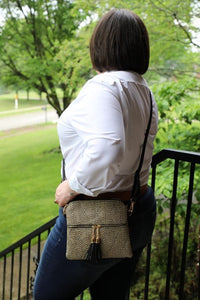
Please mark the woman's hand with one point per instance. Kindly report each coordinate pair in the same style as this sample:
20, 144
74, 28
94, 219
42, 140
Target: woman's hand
64, 194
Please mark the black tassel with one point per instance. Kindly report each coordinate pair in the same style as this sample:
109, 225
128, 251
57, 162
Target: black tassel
93, 254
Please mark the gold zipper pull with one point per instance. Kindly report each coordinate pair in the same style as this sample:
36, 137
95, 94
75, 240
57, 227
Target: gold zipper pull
98, 238
93, 238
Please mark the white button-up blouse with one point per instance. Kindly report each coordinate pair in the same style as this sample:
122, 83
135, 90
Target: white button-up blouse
102, 131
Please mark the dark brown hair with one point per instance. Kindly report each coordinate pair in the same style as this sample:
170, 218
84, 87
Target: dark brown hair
120, 41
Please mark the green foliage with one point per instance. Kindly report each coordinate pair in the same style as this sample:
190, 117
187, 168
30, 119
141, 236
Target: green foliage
179, 128
170, 28
30, 41
178, 100
180, 136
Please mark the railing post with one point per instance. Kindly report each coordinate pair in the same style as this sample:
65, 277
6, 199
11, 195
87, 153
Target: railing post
171, 233
28, 268
4, 276
148, 260
20, 272
198, 265
186, 231
11, 274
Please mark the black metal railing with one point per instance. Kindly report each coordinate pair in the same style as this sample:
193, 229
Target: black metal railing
192, 159
18, 262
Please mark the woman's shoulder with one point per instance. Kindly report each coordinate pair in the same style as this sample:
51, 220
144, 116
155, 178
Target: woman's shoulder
101, 82
102, 78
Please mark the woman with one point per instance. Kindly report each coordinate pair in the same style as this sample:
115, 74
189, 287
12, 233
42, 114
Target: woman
101, 135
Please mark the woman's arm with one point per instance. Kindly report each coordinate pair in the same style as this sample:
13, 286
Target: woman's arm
96, 118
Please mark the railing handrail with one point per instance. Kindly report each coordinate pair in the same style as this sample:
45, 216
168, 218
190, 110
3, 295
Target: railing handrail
193, 157
28, 237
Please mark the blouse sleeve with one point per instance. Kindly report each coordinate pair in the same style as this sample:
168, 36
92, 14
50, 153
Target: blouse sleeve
98, 121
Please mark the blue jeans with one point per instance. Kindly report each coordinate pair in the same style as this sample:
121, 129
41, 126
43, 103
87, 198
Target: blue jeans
60, 279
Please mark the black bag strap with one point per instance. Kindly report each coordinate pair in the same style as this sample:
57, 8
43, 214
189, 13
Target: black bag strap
63, 170
136, 185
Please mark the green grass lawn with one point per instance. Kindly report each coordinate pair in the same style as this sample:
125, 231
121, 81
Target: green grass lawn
29, 175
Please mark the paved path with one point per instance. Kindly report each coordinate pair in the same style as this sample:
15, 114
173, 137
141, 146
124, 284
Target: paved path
27, 118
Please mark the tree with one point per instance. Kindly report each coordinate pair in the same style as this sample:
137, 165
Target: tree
30, 41
172, 33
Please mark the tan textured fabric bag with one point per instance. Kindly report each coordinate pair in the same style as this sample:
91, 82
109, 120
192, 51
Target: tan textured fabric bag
97, 229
